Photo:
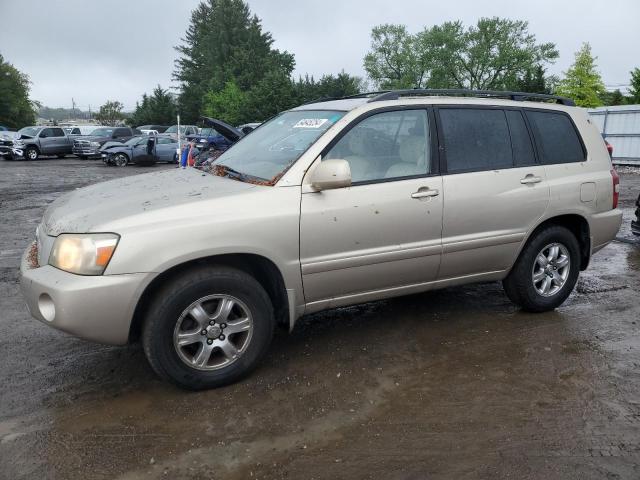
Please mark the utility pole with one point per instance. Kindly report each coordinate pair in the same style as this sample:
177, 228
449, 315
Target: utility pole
73, 108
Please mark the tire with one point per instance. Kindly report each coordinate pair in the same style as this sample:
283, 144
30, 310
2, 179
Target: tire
31, 153
120, 160
528, 279
207, 287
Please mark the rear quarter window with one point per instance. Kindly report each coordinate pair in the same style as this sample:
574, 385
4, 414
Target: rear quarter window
557, 138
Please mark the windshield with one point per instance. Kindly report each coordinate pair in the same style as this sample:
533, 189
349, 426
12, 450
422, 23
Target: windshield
102, 132
136, 140
174, 129
276, 145
29, 131
208, 132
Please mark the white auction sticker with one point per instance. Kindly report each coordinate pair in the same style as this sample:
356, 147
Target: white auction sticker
311, 123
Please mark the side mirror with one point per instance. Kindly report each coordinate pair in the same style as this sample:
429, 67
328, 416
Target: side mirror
331, 174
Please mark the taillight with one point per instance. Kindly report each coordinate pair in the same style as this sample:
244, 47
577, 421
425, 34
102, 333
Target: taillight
616, 187
609, 148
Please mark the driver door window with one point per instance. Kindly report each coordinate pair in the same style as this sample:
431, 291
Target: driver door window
385, 146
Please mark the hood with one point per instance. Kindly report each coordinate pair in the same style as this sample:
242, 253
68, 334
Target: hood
111, 144
227, 131
100, 140
128, 202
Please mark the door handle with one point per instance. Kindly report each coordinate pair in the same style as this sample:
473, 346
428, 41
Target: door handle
529, 179
425, 192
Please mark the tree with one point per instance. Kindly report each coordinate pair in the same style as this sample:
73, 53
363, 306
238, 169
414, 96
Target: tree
110, 113
533, 81
224, 43
582, 82
341, 85
16, 109
159, 109
634, 89
493, 54
613, 98
229, 104
392, 61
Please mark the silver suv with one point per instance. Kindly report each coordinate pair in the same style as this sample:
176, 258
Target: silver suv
326, 205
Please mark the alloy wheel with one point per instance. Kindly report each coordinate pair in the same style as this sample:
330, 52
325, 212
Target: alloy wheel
213, 332
551, 269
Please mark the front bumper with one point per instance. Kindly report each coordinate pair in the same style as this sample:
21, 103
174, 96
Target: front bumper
11, 152
86, 151
96, 308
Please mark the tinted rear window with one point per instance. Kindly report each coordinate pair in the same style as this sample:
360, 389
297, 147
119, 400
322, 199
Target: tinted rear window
520, 139
475, 139
556, 137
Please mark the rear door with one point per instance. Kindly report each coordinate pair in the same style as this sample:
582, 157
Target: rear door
47, 141
495, 190
61, 144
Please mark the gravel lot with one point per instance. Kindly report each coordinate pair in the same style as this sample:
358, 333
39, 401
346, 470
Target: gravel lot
450, 384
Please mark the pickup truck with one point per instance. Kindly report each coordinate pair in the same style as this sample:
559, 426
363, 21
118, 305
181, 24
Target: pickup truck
89, 146
36, 141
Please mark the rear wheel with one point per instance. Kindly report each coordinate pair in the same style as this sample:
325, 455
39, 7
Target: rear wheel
208, 328
31, 153
546, 270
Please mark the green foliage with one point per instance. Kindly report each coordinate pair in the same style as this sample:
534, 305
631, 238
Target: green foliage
110, 113
393, 61
229, 104
634, 89
533, 81
614, 98
16, 110
225, 43
329, 86
493, 54
582, 82
157, 109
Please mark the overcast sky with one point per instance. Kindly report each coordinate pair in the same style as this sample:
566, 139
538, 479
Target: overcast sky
118, 49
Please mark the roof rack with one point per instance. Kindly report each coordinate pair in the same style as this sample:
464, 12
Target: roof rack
348, 97
517, 96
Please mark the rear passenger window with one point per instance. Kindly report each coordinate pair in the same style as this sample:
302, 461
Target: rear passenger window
520, 140
556, 137
475, 139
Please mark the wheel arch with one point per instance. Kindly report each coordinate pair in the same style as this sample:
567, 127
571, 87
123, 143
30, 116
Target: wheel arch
578, 225
261, 268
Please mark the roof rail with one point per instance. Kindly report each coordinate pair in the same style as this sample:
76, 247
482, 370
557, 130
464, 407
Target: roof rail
348, 97
517, 96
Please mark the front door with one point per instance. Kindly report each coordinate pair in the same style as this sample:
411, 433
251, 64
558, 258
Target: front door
495, 191
383, 232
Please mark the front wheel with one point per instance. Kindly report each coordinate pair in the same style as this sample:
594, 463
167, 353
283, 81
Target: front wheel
208, 327
32, 153
546, 270
120, 160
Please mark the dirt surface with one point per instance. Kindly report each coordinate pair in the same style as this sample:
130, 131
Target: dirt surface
450, 384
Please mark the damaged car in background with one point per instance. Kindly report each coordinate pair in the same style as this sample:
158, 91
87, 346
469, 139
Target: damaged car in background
32, 142
214, 139
8, 150
89, 146
145, 150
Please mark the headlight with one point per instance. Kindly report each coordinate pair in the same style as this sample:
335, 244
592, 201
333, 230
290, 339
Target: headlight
94, 144
84, 254
18, 144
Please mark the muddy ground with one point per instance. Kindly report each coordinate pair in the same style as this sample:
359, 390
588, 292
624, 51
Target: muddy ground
451, 384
